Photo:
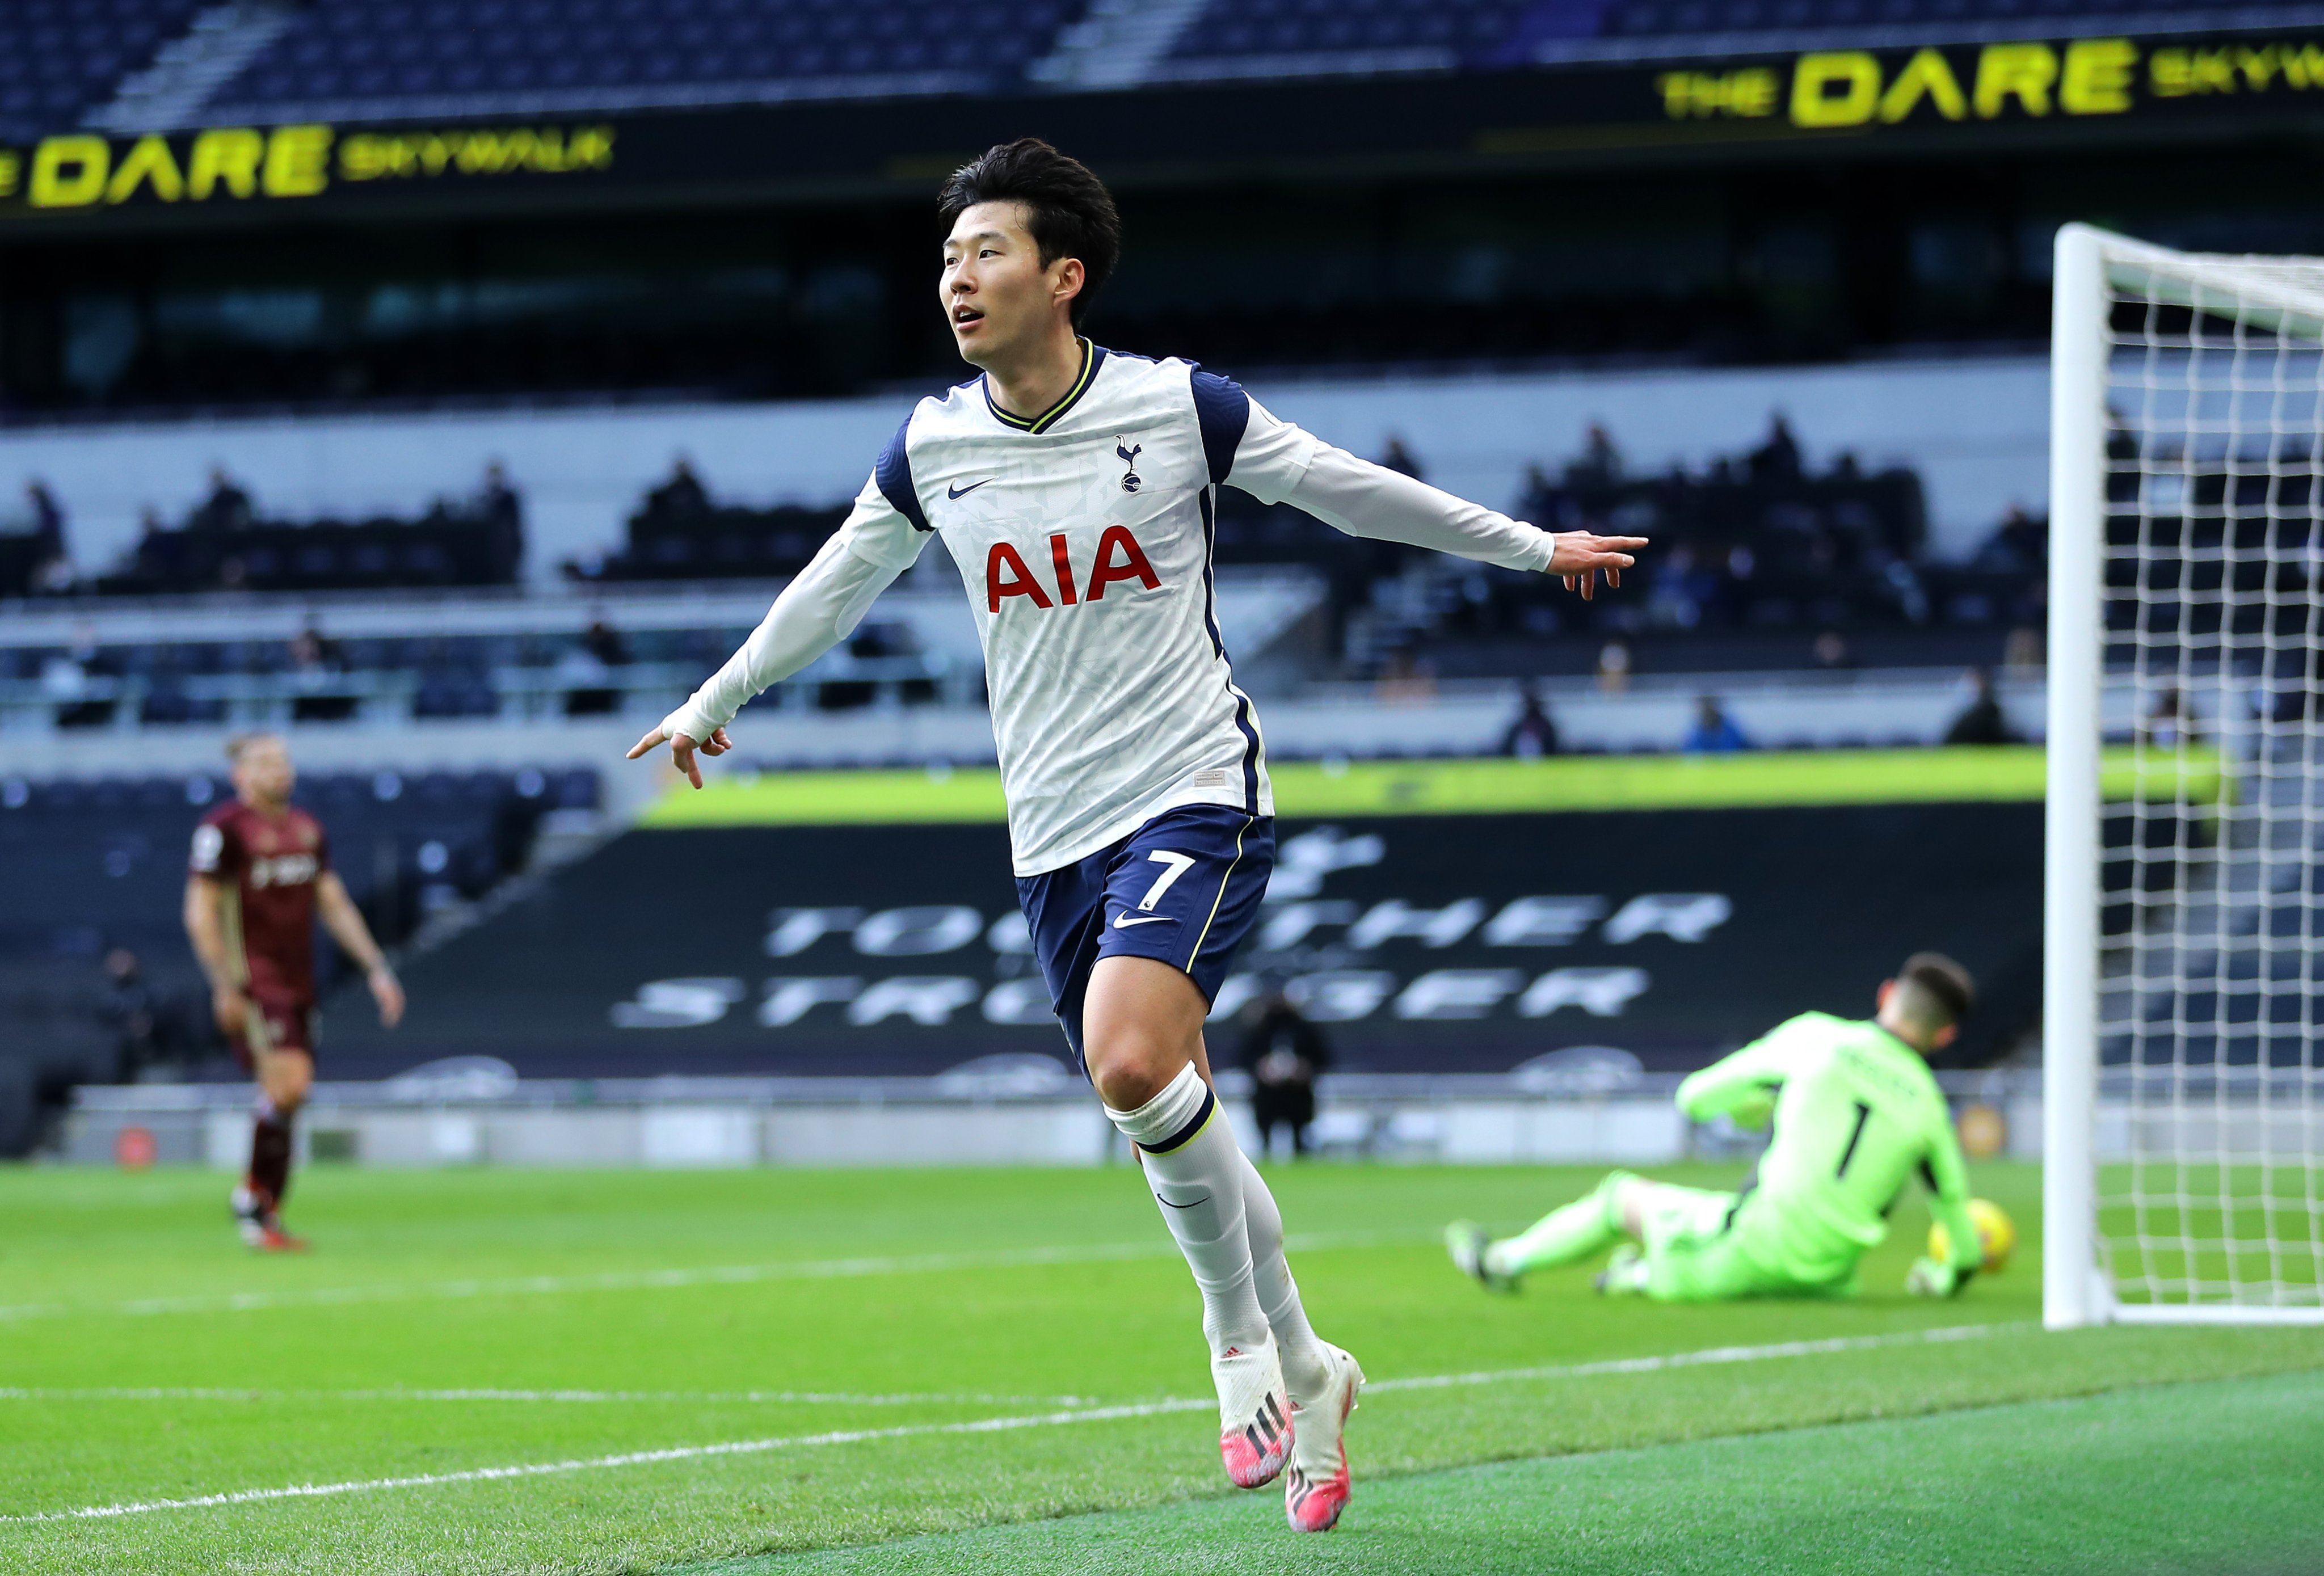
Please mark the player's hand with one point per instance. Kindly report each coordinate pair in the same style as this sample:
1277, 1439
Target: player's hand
388, 991
682, 748
1928, 1278
231, 1008
1580, 557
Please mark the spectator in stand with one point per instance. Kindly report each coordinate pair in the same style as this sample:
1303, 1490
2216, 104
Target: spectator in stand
1282, 1052
314, 654
44, 522
497, 501
1533, 734
133, 1013
1405, 679
1714, 731
2019, 543
1614, 667
2172, 725
682, 497
1400, 459
1778, 458
1599, 463
227, 508
1981, 721
1832, 652
601, 650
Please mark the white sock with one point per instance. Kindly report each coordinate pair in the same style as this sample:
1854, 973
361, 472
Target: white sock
1306, 1369
1195, 1173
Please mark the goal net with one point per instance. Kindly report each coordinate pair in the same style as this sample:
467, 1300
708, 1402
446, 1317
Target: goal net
2182, 1075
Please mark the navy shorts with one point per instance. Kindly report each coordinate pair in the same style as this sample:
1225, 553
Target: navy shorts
1182, 889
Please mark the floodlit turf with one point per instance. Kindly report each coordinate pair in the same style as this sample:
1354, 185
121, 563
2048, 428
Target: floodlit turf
2097, 1484
1309, 788
820, 1357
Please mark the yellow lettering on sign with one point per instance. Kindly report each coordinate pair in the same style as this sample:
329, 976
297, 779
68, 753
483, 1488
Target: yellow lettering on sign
1839, 87
1749, 93
1925, 76
592, 149
2020, 72
2304, 69
2167, 74
227, 153
2212, 71
68, 172
149, 161
2098, 76
2257, 66
298, 160
11, 170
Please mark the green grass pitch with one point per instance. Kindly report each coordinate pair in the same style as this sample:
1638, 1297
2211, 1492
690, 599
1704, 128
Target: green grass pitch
762, 1372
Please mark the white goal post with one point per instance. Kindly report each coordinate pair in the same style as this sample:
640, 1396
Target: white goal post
2183, 997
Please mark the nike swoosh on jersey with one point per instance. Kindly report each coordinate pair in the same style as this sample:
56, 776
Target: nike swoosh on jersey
1123, 921
958, 492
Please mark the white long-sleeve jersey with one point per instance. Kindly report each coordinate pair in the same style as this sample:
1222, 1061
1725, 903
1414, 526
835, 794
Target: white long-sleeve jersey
1083, 536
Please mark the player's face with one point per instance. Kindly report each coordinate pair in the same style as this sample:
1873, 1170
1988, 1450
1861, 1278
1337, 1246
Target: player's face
264, 772
996, 295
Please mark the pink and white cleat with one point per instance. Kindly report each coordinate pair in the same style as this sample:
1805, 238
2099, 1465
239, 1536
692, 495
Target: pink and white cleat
1315, 1489
1254, 1414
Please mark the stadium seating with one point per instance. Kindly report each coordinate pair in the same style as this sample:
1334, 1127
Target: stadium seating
61, 59
623, 54
446, 547
1240, 38
716, 542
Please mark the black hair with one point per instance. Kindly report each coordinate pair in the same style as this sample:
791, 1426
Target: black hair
1945, 982
1068, 209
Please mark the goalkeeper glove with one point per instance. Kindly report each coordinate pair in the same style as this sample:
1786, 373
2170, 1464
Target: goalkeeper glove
1928, 1278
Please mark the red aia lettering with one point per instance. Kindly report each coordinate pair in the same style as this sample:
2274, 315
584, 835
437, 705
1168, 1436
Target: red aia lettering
1132, 565
1118, 557
1020, 581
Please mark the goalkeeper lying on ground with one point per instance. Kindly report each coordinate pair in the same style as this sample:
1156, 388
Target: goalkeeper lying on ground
1856, 1115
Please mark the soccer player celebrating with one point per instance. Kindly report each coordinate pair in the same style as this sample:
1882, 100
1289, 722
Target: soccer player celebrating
1856, 1116
1074, 488
260, 875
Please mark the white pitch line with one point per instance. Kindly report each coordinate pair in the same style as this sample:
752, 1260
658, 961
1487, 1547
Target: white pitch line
658, 1280
672, 1397
1709, 1357
1721, 1354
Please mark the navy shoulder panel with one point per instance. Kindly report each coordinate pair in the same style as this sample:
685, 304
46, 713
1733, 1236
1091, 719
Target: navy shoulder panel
894, 474
1222, 411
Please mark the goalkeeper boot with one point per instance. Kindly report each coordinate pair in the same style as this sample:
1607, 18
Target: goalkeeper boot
1254, 1414
1624, 1274
1467, 1243
1315, 1486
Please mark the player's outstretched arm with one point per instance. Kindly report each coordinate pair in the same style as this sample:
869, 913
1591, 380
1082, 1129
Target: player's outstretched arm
1367, 499
815, 613
1741, 1085
344, 921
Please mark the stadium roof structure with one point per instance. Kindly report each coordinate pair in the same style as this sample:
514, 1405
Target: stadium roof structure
173, 105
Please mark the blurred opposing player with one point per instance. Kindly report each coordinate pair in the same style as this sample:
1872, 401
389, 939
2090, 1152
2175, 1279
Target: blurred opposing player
260, 876
1857, 1115
1076, 490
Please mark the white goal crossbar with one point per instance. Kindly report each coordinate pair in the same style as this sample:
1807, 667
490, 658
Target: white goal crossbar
2183, 1087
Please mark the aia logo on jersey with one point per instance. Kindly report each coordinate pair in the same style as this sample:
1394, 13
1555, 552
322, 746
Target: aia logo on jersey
1118, 557
1131, 480
283, 869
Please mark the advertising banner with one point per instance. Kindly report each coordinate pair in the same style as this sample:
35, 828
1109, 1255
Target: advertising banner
2030, 91
1420, 943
